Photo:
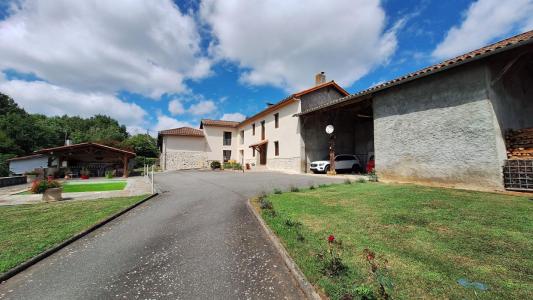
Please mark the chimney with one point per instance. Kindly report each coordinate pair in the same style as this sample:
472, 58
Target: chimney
320, 78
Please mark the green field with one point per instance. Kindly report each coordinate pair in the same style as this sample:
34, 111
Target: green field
27, 230
73, 187
431, 238
76, 187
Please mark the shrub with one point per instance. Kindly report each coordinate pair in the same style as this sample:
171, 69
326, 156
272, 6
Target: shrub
294, 189
322, 185
312, 187
347, 181
215, 165
109, 174
39, 186
372, 176
361, 180
333, 265
277, 191
379, 272
291, 223
265, 203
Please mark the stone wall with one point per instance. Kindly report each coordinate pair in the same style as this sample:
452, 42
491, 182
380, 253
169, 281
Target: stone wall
182, 160
286, 164
441, 130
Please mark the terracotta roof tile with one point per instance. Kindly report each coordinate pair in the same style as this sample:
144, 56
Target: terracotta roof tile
182, 131
219, 123
515, 41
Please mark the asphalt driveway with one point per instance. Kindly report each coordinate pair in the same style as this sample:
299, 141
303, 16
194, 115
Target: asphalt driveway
197, 240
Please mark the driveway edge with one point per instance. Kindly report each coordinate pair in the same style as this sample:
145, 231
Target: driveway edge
32, 261
304, 284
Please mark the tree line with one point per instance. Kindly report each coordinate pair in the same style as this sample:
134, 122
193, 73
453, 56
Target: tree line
22, 133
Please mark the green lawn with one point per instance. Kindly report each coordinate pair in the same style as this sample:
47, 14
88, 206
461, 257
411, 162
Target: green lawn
71, 187
431, 238
27, 230
74, 187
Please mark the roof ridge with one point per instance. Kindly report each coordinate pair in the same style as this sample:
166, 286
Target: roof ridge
508, 43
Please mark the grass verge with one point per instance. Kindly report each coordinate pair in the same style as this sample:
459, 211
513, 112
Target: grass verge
27, 230
69, 187
434, 243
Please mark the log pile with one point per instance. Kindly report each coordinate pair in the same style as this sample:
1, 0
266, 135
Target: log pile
519, 143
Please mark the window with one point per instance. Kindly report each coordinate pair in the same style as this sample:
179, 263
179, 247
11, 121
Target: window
276, 120
276, 148
253, 129
227, 138
226, 155
242, 137
262, 130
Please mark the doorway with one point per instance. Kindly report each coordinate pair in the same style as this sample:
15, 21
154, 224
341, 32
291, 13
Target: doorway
262, 154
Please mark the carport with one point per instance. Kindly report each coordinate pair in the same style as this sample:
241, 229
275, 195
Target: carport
354, 130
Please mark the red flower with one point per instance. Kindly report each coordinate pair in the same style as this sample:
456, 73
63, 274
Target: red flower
331, 239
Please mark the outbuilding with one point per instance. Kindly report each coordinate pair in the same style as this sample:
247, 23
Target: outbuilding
443, 125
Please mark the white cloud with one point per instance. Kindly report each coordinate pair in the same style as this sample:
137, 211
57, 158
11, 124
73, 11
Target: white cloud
175, 107
166, 122
484, 21
237, 117
51, 100
285, 43
202, 108
148, 47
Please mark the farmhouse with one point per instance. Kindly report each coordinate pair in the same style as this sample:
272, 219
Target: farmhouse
269, 139
445, 124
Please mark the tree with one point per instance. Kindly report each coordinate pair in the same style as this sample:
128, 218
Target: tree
143, 145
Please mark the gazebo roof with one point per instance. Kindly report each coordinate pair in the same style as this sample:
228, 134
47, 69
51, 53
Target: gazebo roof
81, 146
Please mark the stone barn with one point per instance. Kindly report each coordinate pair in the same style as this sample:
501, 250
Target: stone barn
445, 124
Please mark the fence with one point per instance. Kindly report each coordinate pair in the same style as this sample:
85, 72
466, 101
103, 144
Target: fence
149, 173
518, 175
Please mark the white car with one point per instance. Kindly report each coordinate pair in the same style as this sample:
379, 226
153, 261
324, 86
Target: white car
343, 162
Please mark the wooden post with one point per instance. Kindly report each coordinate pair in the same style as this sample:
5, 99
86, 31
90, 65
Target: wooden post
332, 155
125, 166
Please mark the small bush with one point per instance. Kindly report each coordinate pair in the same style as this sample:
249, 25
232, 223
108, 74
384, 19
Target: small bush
265, 203
300, 237
361, 180
39, 186
294, 189
322, 185
291, 223
372, 176
312, 187
277, 191
215, 165
347, 181
109, 174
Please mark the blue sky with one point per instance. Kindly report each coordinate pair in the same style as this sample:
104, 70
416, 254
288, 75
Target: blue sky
160, 64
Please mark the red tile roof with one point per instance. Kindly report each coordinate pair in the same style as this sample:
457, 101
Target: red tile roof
84, 145
218, 123
504, 45
182, 131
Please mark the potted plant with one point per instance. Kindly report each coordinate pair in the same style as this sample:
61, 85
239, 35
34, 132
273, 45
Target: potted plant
51, 189
84, 173
31, 176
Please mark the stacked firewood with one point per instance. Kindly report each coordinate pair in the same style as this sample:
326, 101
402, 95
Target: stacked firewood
519, 143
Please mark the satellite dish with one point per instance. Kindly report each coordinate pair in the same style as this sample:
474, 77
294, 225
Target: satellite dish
330, 129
